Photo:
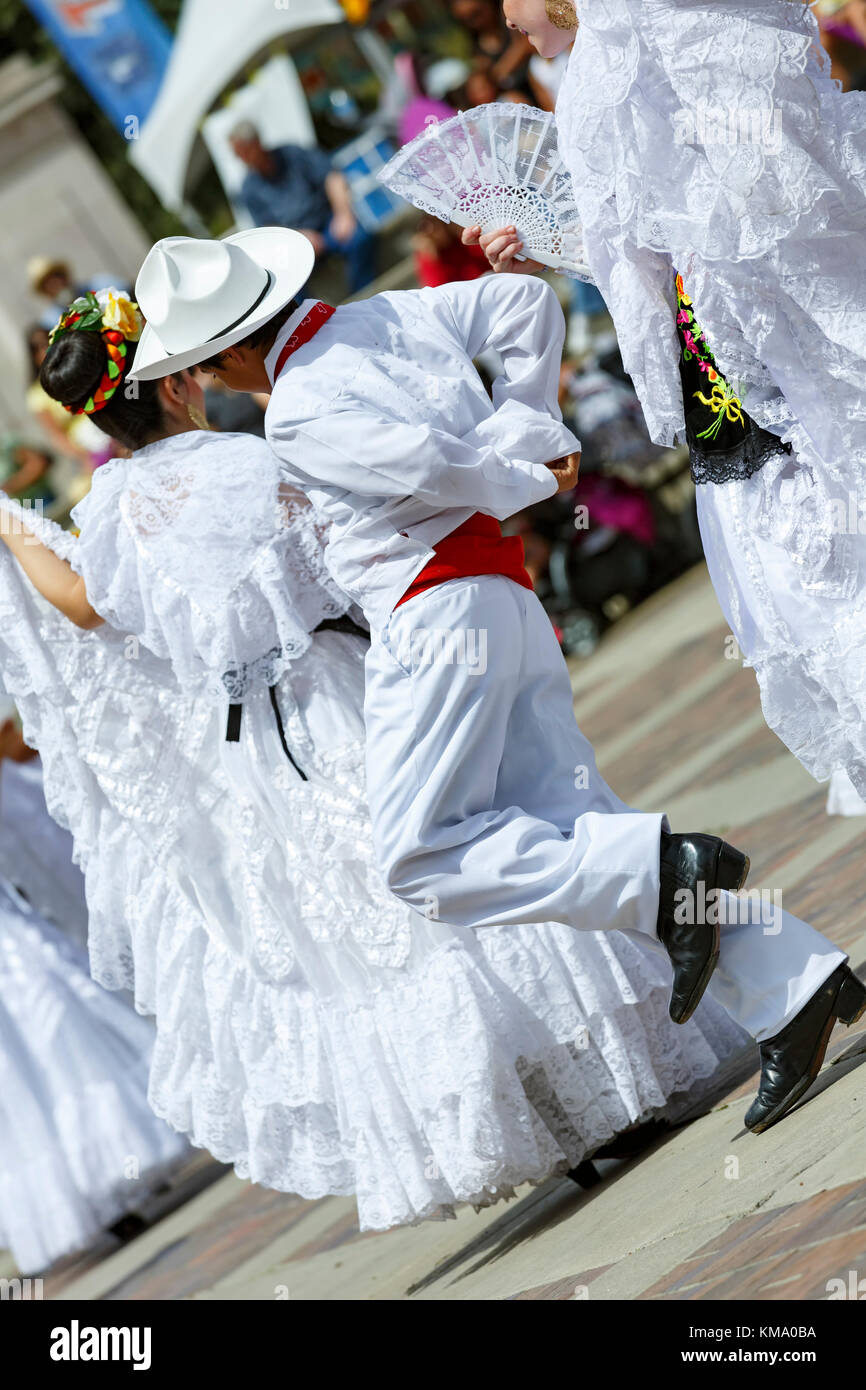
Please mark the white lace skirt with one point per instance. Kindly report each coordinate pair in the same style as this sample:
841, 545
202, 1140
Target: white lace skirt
78, 1142
309, 1028
369, 1051
801, 626
479, 1063
712, 139
36, 854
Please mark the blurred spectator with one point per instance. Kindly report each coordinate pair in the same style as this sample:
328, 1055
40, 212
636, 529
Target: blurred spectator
843, 33
25, 470
440, 255
503, 55
231, 411
480, 89
605, 413
545, 78
12, 745
74, 436
590, 328
51, 279
432, 92
291, 186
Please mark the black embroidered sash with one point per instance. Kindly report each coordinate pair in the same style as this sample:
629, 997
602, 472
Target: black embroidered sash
725, 443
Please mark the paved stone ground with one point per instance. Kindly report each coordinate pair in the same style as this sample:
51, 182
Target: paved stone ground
710, 1211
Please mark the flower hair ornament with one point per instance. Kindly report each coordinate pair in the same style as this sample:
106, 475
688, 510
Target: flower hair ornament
119, 321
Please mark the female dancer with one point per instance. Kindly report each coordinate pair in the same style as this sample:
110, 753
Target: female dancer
310, 1028
721, 181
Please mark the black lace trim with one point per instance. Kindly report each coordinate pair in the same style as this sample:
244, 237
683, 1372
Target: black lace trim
725, 444
741, 461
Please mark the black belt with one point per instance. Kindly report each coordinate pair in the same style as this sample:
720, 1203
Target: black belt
233, 729
343, 624
233, 723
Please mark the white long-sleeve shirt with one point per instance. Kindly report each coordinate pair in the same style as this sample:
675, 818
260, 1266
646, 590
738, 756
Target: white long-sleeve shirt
384, 422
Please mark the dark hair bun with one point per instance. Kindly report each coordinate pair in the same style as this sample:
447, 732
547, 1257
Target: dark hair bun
73, 367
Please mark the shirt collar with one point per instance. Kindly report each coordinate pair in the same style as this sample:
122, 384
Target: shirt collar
283, 336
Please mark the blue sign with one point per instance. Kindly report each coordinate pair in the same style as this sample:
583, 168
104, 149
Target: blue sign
119, 49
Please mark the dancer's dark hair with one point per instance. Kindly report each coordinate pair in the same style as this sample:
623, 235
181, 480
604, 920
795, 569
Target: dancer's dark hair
260, 337
73, 368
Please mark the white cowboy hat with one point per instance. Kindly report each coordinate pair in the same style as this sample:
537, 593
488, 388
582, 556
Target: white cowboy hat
200, 297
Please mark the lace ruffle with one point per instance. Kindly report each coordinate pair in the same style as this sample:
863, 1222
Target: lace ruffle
767, 227
483, 1063
732, 465
197, 547
717, 112
789, 568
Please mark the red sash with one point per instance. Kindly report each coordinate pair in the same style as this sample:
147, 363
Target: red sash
476, 547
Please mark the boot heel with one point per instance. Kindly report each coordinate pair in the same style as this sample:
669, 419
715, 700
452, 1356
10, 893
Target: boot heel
851, 999
733, 868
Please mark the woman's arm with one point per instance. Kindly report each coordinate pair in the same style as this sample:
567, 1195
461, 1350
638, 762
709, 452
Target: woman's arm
25, 474
518, 51
54, 578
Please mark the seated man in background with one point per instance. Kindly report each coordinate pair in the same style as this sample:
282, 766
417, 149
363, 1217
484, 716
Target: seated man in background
25, 471
291, 186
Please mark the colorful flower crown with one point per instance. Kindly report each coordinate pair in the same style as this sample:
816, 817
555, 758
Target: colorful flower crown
119, 321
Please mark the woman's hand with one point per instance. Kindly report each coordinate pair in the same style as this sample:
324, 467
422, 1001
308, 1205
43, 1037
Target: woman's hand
501, 248
565, 471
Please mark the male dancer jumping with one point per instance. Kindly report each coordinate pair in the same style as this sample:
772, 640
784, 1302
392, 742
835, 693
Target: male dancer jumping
486, 803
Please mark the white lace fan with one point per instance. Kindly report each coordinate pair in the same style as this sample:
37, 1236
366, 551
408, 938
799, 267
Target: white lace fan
494, 166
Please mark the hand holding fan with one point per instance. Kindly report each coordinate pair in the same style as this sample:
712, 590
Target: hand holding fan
495, 166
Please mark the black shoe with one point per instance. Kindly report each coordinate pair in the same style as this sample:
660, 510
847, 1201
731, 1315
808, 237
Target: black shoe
586, 1175
686, 862
792, 1059
631, 1143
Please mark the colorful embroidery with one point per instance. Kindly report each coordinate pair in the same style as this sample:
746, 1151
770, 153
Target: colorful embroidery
723, 402
725, 443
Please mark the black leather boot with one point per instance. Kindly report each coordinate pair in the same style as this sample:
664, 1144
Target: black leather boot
792, 1059
702, 864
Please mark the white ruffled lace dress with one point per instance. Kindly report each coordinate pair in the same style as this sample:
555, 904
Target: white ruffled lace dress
79, 1145
311, 1030
711, 138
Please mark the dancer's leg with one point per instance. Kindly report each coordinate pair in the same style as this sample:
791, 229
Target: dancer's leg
487, 807
770, 964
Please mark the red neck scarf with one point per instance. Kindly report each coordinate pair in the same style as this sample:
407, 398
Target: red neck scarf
306, 329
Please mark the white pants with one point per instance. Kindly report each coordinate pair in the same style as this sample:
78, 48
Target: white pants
488, 809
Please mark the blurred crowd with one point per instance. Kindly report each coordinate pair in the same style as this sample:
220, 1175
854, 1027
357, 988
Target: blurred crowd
843, 33
630, 526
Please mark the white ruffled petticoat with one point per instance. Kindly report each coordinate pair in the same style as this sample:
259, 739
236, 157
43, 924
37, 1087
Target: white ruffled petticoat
712, 139
79, 1145
36, 853
310, 1029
